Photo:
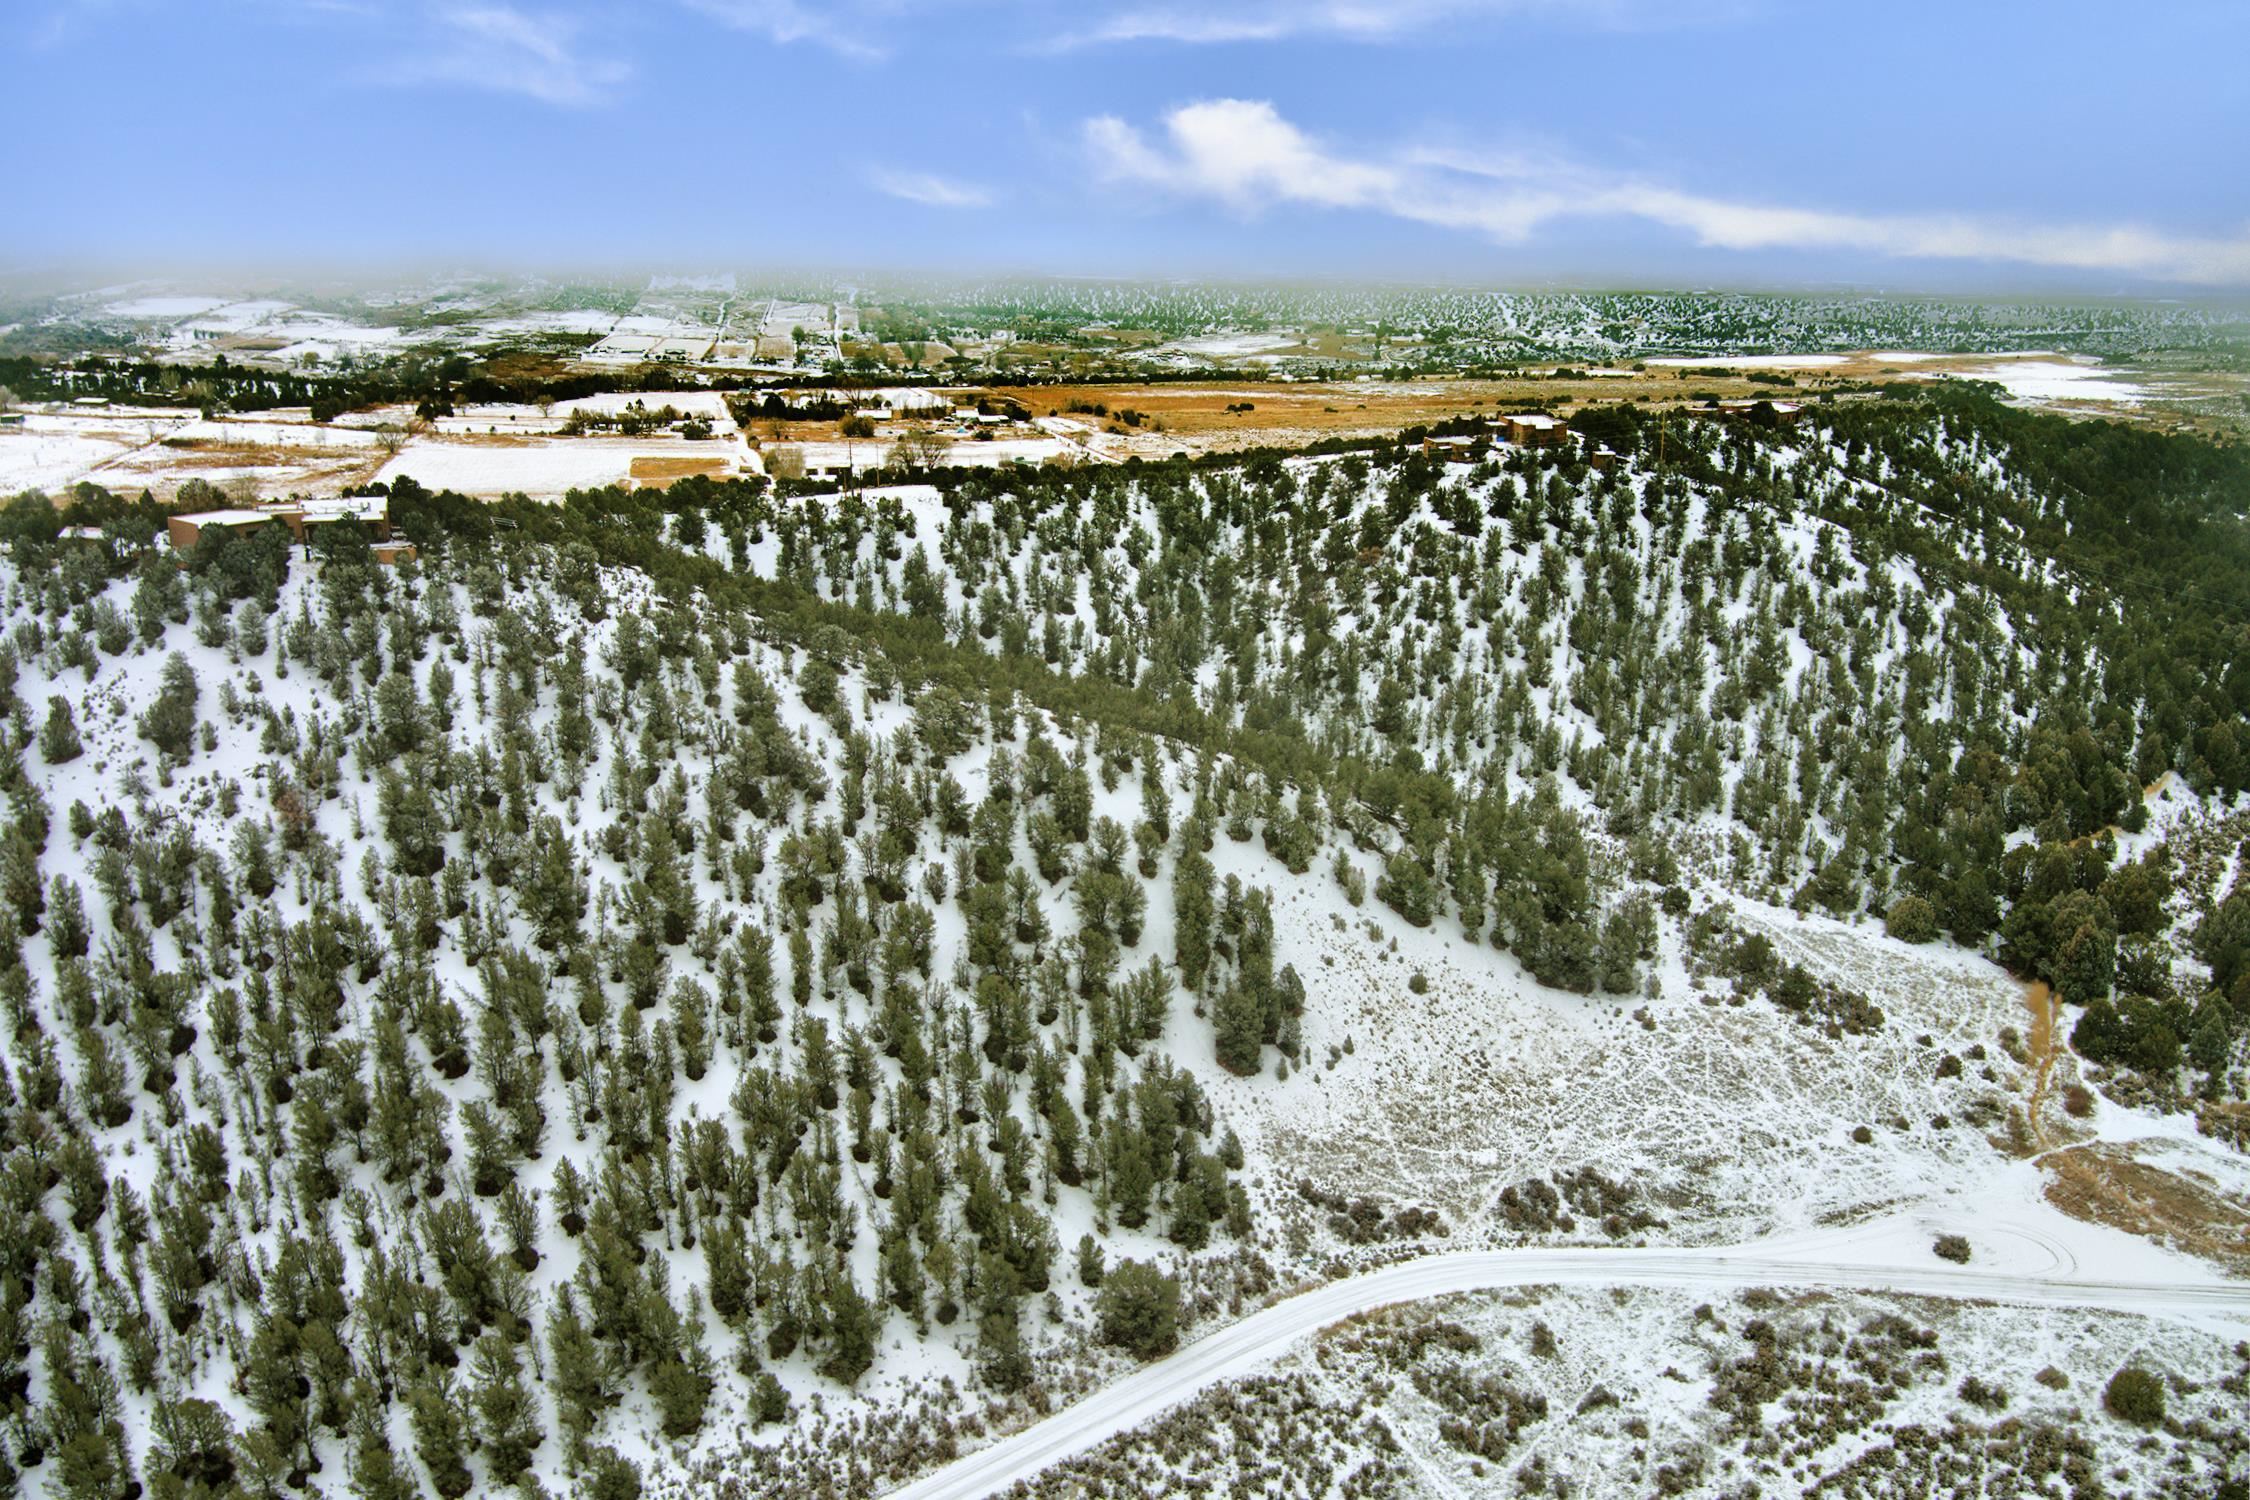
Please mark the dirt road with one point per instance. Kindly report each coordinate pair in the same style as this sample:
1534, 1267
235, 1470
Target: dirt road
2027, 1268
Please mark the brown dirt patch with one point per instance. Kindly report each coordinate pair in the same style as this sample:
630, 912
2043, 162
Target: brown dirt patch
495, 439
2044, 1008
1194, 415
1200, 409
208, 454
654, 473
525, 364
2109, 1184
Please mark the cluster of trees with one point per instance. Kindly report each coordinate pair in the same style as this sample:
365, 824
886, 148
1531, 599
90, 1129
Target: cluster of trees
433, 383
1927, 632
654, 867
636, 419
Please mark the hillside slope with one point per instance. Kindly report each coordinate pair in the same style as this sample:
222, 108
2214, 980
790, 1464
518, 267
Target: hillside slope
732, 986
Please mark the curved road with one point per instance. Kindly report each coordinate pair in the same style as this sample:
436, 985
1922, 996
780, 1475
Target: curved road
1821, 1261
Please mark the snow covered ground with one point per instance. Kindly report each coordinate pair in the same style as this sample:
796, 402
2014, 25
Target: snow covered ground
1710, 1391
874, 453
1230, 345
166, 308
54, 451
158, 449
1750, 361
1435, 1072
2030, 1266
545, 468
2050, 380
711, 404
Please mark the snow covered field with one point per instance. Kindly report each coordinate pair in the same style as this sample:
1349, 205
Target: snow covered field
710, 404
164, 308
874, 453
1750, 361
546, 468
52, 452
1230, 345
2049, 380
130, 449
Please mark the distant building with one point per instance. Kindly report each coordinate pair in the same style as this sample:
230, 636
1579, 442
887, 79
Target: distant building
185, 530
1452, 449
300, 516
1774, 413
1532, 430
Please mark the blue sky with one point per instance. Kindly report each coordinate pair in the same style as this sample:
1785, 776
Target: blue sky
1644, 142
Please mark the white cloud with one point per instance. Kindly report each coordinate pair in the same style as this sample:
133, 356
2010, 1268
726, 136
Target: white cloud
1243, 154
496, 46
1255, 23
850, 29
930, 190
1217, 21
874, 29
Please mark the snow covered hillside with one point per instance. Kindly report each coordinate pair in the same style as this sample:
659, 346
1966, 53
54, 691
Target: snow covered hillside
745, 991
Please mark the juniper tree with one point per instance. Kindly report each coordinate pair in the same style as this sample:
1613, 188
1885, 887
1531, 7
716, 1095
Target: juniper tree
58, 736
170, 721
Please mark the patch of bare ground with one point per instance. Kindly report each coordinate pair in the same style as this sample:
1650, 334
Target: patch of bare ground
200, 453
2106, 1183
2225, 1120
651, 472
2041, 1002
2043, 1124
497, 439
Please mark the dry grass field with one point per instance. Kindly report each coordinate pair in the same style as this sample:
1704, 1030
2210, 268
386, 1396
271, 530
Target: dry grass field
655, 473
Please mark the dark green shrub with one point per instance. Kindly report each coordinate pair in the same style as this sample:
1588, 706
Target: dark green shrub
2136, 1396
1911, 920
1139, 1310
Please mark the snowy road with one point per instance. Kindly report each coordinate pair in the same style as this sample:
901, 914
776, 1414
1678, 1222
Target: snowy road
2028, 1267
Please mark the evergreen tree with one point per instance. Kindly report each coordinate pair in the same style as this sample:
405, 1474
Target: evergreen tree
1238, 1019
170, 720
852, 1327
1192, 916
58, 736
507, 1414
1138, 1310
440, 1435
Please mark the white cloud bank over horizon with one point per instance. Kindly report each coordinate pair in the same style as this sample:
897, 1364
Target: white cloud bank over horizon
1245, 156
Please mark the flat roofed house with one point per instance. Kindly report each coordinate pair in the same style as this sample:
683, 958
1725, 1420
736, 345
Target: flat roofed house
1758, 411
183, 531
300, 516
371, 511
1536, 430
